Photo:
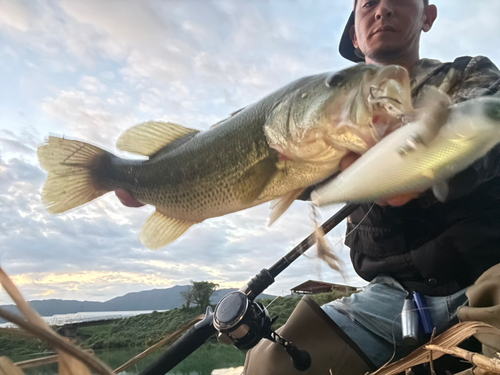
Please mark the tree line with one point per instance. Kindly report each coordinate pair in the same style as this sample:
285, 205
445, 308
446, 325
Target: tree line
199, 293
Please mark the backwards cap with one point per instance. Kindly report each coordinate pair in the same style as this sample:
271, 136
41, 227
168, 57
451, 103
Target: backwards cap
346, 48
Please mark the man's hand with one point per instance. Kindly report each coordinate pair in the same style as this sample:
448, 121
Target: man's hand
398, 200
127, 199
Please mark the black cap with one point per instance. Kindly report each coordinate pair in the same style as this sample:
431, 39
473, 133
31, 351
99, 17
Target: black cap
346, 48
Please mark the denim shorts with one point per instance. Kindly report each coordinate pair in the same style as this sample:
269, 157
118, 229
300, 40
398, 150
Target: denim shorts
372, 317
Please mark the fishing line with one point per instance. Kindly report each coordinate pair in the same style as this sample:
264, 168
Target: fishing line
293, 282
394, 338
393, 326
315, 216
372, 95
356, 227
353, 229
393, 342
270, 303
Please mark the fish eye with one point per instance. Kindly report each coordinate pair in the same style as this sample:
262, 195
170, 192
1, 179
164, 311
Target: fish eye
334, 80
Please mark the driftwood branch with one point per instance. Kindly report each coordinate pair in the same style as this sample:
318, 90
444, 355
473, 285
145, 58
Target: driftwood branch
72, 360
9, 368
30, 363
58, 342
450, 338
489, 364
475, 371
431, 360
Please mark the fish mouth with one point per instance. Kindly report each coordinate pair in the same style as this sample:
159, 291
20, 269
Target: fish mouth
378, 104
392, 83
388, 101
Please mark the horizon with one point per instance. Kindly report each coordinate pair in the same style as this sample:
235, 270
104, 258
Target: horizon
148, 290
90, 70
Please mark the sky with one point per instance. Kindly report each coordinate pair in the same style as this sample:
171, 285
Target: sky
92, 69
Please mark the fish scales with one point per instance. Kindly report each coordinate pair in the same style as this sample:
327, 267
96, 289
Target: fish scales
185, 181
200, 179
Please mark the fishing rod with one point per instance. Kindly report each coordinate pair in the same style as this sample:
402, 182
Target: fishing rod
238, 319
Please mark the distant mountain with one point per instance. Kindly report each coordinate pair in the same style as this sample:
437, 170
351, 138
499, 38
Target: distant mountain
155, 299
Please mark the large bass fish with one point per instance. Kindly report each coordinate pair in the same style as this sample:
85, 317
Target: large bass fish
272, 149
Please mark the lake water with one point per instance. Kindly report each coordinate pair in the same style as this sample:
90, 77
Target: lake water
60, 319
210, 359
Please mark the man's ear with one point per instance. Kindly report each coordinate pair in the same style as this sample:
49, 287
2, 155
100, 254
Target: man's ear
352, 34
430, 15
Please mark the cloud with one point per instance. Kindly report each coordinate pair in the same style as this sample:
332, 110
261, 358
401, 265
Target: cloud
93, 69
21, 143
16, 14
134, 24
150, 101
92, 84
472, 28
10, 52
89, 117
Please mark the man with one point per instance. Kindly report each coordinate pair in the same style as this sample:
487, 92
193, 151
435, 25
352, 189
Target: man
413, 242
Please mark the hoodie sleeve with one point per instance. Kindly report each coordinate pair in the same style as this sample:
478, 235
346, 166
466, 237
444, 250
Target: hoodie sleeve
472, 78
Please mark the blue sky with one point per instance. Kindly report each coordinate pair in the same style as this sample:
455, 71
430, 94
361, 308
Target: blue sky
92, 69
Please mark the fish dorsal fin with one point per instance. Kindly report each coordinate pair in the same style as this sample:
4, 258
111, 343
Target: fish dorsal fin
159, 230
150, 137
280, 205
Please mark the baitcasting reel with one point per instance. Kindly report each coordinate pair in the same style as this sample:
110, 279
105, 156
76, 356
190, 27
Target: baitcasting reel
243, 323
240, 322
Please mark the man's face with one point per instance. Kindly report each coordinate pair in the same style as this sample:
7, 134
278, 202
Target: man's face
386, 29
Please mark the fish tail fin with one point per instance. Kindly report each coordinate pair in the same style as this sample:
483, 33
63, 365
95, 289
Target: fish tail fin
71, 166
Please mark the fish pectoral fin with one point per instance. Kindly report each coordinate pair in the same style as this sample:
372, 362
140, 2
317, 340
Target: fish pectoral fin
159, 230
255, 179
150, 137
280, 205
441, 190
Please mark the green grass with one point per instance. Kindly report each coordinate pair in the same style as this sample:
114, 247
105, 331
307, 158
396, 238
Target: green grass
17, 347
141, 330
145, 330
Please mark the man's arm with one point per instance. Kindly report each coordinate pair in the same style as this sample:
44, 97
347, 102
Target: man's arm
476, 77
